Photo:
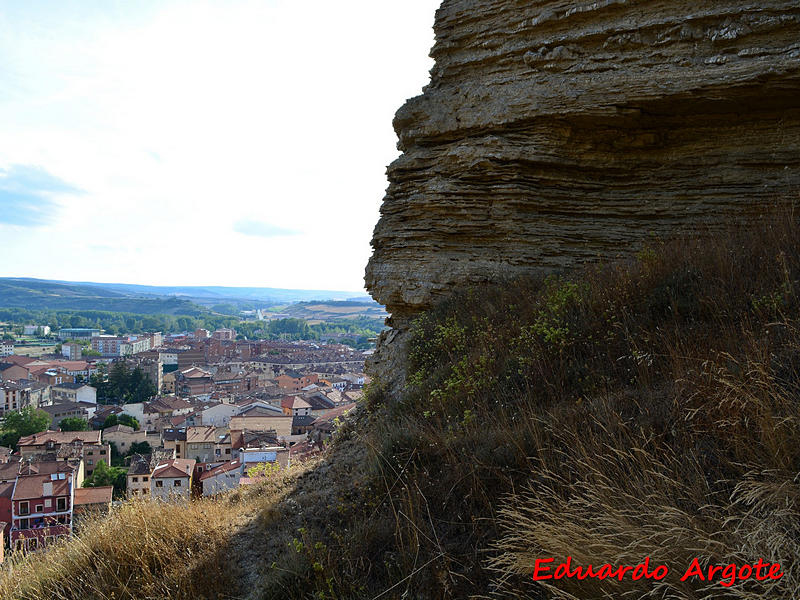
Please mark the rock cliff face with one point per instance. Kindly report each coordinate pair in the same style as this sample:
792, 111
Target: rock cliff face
556, 132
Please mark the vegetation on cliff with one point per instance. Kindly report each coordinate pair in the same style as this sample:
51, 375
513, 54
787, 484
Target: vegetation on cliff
631, 410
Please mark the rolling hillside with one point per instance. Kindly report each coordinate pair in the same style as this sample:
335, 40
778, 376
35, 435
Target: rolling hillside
65, 295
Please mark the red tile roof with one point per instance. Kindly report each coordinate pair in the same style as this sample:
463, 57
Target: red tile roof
94, 495
223, 468
177, 467
60, 437
30, 487
294, 402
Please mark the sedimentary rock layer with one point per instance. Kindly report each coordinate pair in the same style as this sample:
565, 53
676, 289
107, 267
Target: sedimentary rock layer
558, 132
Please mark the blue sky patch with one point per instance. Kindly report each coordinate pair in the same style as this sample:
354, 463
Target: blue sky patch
26, 195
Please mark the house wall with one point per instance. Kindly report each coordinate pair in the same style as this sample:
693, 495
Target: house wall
168, 490
138, 485
222, 482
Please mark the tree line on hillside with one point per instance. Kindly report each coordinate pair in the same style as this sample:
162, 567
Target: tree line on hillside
358, 329
117, 322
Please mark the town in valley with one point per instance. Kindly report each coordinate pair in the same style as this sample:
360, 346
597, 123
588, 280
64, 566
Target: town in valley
99, 419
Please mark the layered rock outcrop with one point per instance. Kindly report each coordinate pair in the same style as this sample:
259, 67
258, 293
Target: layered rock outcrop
556, 132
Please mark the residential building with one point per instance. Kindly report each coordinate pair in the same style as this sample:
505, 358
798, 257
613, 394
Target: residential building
123, 437
168, 383
41, 510
281, 424
190, 357
138, 475
67, 410
103, 412
222, 478
91, 502
6, 348
295, 405
42, 465
10, 397
292, 381
275, 454
78, 333
156, 413
336, 383
174, 440
135, 345
200, 442
326, 424
73, 392
224, 334
6, 491
355, 378
319, 403
172, 480
12, 372
72, 351
108, 345
65, 445
219, 415
302, 424
34, 393
193, 381
40, 330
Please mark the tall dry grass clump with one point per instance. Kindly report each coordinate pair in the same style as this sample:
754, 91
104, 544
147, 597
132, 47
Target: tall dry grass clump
148, 550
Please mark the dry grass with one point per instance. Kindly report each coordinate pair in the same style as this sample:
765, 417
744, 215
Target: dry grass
632, 410
148, 550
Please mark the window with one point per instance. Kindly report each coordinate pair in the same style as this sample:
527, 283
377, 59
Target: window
48, 503
23, 524
159, 483
90, 461
24, 508
102, 452
61, 504
145, 491
135, 479
38, 508
177, 483
90, 453
145, 478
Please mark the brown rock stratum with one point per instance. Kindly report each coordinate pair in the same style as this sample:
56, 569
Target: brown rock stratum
554, 133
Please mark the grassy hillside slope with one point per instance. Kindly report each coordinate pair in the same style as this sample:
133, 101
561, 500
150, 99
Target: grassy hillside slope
640, 409
36, 294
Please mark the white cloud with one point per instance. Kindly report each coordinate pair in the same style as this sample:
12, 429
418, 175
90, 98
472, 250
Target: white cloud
177, 118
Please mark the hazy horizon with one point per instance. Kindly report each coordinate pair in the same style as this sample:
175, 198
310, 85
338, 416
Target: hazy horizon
198, 286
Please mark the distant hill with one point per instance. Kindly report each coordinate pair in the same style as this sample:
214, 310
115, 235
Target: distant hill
46, 294
336, 311
37, 294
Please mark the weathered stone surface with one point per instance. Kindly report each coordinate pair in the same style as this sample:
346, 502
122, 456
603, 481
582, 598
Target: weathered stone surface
558, 132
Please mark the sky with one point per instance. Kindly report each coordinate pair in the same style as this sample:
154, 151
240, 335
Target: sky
170, 142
